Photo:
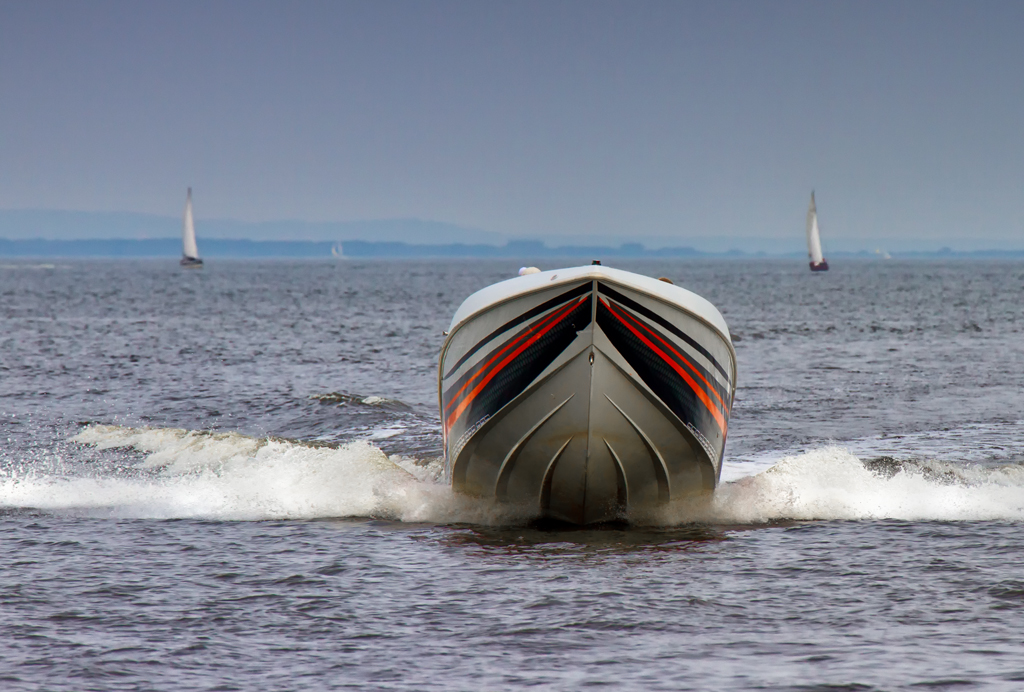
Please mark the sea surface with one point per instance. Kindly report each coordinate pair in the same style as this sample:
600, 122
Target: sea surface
227, 479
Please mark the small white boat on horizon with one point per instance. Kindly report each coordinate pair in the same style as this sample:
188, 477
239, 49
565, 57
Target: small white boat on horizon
189, 250
818, 263
585, 394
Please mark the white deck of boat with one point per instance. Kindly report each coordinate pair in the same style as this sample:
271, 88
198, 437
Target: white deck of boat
674, 295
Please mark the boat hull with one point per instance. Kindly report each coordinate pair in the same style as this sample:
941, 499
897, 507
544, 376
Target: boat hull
821, 266
586, 400
191, 262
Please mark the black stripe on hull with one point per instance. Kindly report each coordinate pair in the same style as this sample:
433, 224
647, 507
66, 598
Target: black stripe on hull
658, 319
525, 317
708, 382
664, 381
509, 380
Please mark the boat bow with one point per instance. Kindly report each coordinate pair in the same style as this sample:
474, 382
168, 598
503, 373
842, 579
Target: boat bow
583, 394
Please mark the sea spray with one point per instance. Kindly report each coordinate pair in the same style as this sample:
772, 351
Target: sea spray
830, 483
191, 474
229, 476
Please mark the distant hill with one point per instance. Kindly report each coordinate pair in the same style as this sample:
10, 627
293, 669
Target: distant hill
217, 247
514, 248
50, 233
359, 249
162, 247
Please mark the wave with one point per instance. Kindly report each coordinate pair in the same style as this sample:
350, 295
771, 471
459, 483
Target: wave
344, 399
190, 474
831, 483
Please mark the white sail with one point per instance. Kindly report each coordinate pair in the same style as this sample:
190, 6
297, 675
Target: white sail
813, 236
188, 231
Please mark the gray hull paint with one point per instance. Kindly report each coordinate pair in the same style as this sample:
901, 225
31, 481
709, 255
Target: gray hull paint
587, 440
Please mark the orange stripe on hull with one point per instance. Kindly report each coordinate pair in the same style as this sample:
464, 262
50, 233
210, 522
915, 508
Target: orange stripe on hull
553, 319
511, 344
671, 347
697, 389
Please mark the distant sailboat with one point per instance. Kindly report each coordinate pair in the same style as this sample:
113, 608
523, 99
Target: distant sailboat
818, 263
189, 251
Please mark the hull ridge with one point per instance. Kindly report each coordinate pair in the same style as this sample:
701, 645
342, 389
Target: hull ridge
584, 394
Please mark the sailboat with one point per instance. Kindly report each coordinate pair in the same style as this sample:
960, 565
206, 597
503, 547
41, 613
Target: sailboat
189, 251
818, 263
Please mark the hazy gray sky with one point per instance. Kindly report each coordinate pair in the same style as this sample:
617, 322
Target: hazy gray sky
679, 119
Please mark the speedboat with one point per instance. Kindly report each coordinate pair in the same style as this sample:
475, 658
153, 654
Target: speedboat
585, 394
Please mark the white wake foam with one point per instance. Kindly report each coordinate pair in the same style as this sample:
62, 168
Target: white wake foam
833, 484
230, 476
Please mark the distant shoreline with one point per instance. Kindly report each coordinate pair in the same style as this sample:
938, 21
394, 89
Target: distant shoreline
113, 248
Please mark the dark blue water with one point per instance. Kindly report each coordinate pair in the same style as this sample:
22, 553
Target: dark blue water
226, 479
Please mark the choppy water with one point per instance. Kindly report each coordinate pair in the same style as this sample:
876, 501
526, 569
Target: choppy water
225, 479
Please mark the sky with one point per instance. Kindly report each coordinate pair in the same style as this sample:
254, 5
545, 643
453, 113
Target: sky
678, 121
